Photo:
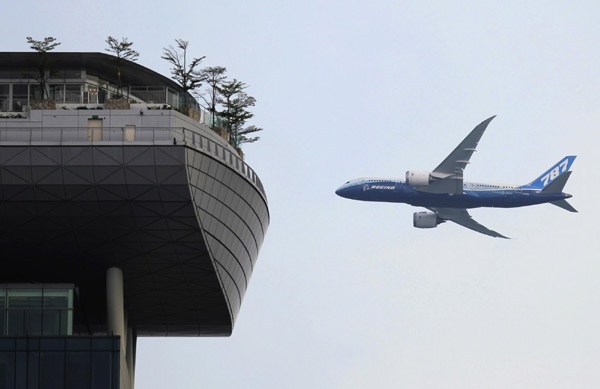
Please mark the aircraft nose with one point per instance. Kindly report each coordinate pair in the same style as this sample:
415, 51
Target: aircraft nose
342, 191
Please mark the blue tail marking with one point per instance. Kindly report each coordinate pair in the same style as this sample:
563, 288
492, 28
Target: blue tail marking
551, 174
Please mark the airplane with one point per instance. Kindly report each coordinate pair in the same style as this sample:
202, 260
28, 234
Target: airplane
447, 197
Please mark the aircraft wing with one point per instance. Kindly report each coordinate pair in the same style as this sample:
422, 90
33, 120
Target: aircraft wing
455, 163
461, 216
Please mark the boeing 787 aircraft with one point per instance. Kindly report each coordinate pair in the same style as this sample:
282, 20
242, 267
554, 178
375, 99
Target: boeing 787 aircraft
447, 197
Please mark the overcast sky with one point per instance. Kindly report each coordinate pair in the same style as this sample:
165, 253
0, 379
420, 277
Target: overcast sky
348, 294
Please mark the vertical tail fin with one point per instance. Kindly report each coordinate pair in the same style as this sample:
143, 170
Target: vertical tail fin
551, 174
558, 184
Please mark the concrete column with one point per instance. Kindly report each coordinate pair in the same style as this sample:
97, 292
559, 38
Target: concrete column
115, 319
115, 307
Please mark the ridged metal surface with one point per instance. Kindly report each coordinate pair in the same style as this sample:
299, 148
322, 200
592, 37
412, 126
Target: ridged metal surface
234, 218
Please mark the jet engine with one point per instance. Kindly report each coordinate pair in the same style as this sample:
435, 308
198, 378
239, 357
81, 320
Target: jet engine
414, 178
426, 220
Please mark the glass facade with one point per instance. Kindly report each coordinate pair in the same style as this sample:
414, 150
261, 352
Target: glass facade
2, 312
36, 311
19, 97
66, 93
60, 362
36, 346
65, 74
4, 97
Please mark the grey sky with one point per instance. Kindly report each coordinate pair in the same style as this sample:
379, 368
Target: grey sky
349, 294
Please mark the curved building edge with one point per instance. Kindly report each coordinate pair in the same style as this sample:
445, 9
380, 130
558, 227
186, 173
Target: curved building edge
234, 218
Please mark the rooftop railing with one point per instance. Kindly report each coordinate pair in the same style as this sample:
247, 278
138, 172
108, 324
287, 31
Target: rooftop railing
87, 93
128, 136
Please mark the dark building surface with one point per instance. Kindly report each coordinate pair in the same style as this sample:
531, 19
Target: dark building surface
69, 362
148, 210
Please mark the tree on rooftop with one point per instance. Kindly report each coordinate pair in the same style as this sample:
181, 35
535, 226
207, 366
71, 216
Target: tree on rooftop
242, 138
236, 104
186, 74
42, 47
214, 77
122, 51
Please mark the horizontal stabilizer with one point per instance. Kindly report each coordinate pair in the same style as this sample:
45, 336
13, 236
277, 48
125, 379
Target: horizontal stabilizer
558, 184
564, 205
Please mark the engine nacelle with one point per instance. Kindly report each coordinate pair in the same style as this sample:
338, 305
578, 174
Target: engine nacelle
414, 178
425, 220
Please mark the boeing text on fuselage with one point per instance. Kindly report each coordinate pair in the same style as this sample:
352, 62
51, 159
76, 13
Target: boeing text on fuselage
380, 187
447, 197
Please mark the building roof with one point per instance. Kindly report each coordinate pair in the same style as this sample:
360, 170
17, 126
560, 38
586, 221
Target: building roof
98, 64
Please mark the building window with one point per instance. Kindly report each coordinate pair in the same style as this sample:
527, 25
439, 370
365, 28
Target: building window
19, 97
2, 311
57, 74
73, 94
57, 92
60, 362
4, 96
73, 74
36, 311
35, 92
101, 94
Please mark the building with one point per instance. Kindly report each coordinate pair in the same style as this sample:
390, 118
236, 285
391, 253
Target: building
122, 214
